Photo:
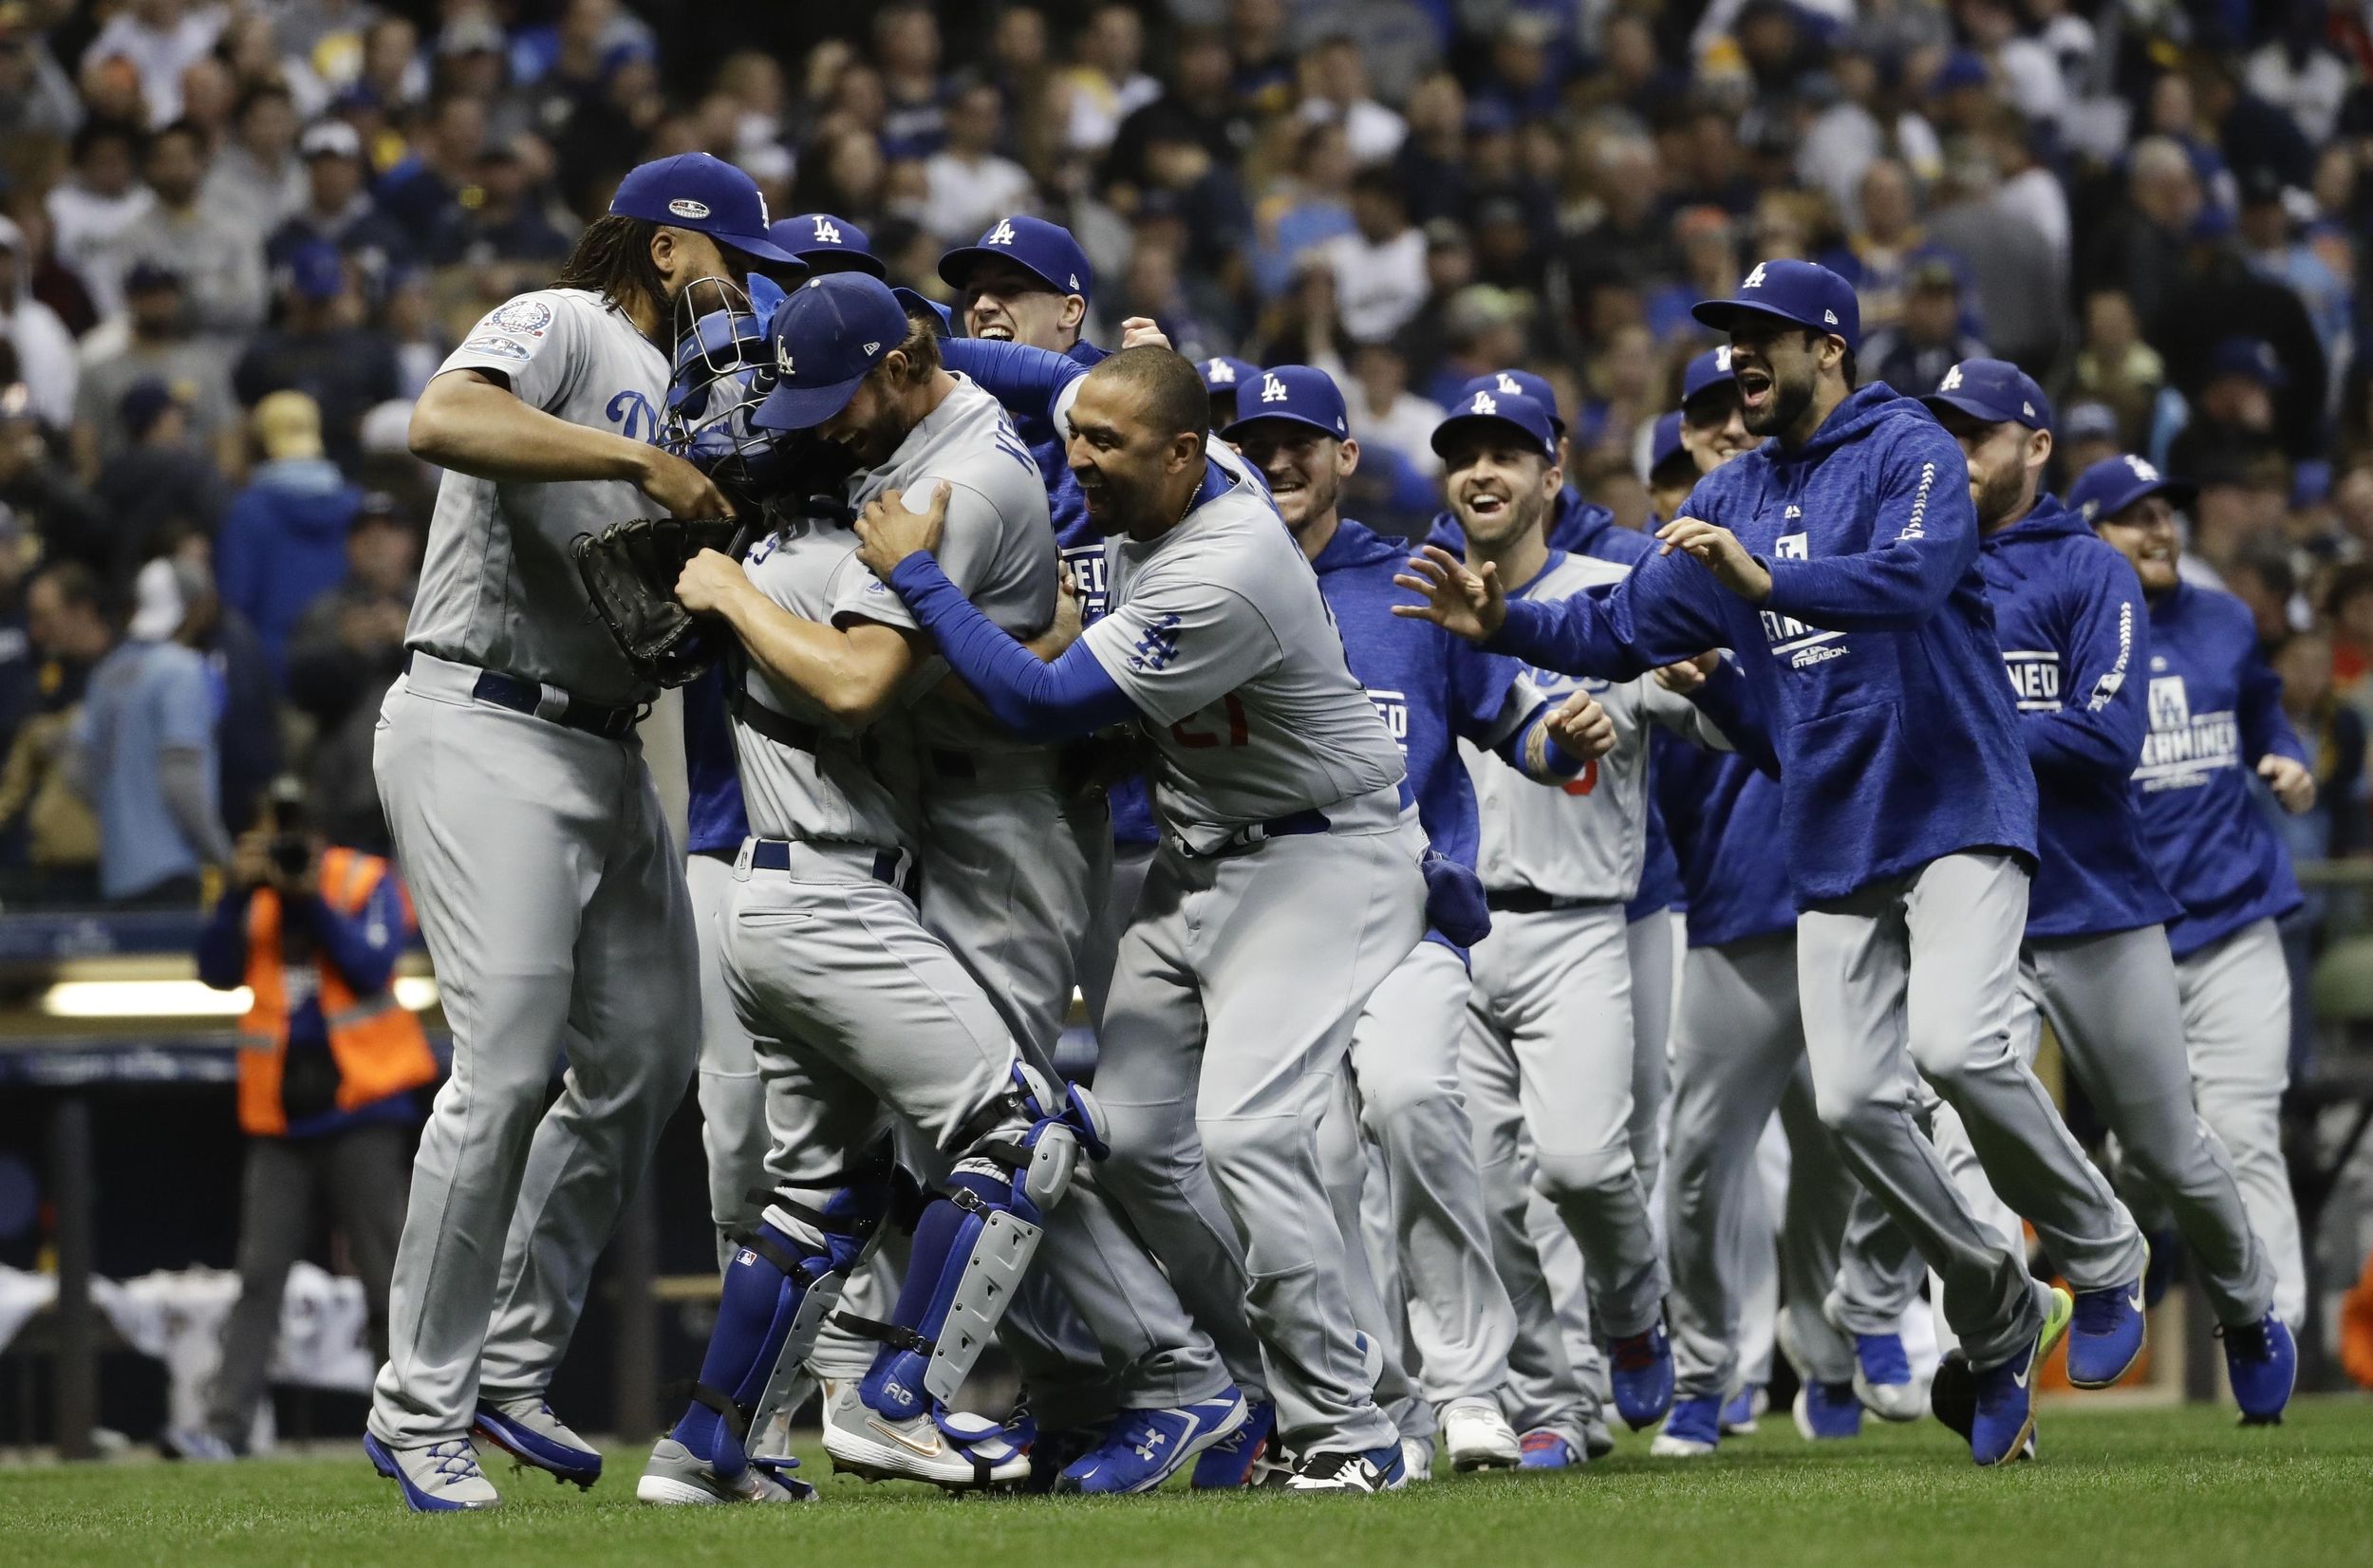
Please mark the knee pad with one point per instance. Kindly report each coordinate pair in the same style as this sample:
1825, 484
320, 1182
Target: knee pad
1016, 1158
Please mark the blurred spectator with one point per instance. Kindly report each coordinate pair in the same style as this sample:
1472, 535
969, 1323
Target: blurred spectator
1308, 209
2017, 280
1879, 249
2089, 433
1432, 163
1386, 416
95, 211
1109, 85
156, 347
420, 192
320, 349
240, 681
1334, 81
2117, 368
70, 635
1380, 266
505, 225
906, 48
256, 180
36, 95
970, 185
1631, 240
1483, 327
143, 753
2139, 249
2276, 256
1913, 355
1197, 107
220, 262
2232, 415
337, 210
19, 663
44, 347
2262, 578
284, 540
37, 494
419, 342
161, 482
158, 39
345, 651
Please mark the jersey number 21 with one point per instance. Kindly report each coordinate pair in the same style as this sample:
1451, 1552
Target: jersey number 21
1239, 732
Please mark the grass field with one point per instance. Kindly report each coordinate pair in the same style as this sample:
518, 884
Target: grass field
2154, 1488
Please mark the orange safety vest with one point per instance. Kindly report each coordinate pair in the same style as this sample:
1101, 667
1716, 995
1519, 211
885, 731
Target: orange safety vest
380, 1048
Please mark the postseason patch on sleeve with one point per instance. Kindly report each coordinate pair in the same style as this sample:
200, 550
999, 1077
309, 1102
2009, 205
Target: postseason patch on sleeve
521, 318
497, 346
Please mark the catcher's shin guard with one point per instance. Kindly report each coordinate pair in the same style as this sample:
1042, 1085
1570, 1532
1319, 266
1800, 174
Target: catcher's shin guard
787, 1273
976, 1239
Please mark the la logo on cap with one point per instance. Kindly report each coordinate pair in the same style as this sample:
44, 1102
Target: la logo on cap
687, 206
2142, 470
782, 358
1002, 234
1755, 278
1509, 384
1272, 389
1219, 370
827, 231
1722, 359
1485, 403
1952, 382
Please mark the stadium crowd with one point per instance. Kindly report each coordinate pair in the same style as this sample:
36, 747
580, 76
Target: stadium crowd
235, 239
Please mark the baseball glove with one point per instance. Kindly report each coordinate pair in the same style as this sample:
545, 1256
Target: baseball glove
630, 570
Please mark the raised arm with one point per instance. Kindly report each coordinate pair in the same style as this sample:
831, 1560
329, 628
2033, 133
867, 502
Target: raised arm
1925, 537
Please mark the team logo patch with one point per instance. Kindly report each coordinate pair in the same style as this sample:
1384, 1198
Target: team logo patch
687, 206
500, 347
1219, 370
528, 316
827, 231
1002, 234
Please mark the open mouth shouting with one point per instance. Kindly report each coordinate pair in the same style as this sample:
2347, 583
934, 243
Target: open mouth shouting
1755, 388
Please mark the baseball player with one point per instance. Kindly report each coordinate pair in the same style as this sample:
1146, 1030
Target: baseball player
1286, 857
1224, 375
1430, 688
2068, 613
1003, 866
824, 243
2215, 717
532, 836
1848, 547
1549, 1051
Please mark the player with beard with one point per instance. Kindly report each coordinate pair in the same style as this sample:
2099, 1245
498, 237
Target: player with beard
1845, 551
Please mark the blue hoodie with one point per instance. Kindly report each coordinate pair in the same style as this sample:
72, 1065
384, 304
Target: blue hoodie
714, 817
283, 545
1873, 661
2068, 613
2216, 709
1725, 817
1428, 686
1581, 528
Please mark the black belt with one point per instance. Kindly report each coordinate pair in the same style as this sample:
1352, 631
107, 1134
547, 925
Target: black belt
1253, 835
527, 697
779, 727
1525, 901
774, 854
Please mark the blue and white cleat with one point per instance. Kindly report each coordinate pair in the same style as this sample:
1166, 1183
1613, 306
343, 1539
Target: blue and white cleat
1640, 1368
527, 1431
676, 1477
1377, 1471
436, 1478
2105, 1338
1241, 1457
2003, 1420
1827, 1412
1546, 1451
1692, 1430
1882, 1378
1144, 1448
2262, 1362
1745, 1408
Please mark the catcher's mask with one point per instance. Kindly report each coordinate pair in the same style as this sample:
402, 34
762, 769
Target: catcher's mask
723, 370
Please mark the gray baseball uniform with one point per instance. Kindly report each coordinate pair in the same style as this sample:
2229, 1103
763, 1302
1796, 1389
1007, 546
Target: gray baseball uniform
1285, 861
1009, 857
551, 899
733, 1103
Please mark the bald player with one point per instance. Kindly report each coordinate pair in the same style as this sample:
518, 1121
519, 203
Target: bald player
1284, 856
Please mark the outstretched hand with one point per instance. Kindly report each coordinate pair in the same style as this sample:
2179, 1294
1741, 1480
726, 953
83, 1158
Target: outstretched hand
888, 531
2293, 784
1468, 603
1719, 551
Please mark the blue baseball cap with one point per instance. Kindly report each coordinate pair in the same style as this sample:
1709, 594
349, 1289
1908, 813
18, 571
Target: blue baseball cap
2114, 484
1995, 391
1707, 371
910, 301
1045, 249
2250, 357
1811, 296
705, 194
823, 243
1227, 373
1664, 444
1295, 394
1512, 409
827, 335
1525, 384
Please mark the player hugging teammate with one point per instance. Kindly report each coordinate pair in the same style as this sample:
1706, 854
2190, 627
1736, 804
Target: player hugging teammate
1379, 982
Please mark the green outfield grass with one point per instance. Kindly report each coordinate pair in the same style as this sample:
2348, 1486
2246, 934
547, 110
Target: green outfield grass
2152, 1487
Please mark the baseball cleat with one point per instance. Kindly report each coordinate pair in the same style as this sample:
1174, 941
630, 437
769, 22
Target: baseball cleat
1640, 1367
954, 1452
2105, 1336
1377, 1471
526, 1429
2005, 1417
677, 1478
1598, 1443
196, 1445
1546, 1451
2262, 1362
1144, 1448
1882, 1378
1744, 1410
1953, 1399
436, 1478
2161, 1271
1241, 1457
1417, 1459
1477, 1437
1691, 1431
1827, 1410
